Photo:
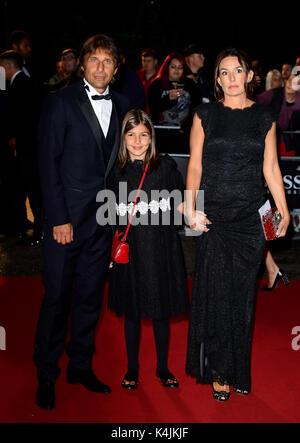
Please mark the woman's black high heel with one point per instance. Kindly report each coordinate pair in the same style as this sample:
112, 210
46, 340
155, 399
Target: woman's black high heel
281, 275
220, 395
241, 391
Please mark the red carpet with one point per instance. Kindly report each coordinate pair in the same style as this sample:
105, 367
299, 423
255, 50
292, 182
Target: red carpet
275, 368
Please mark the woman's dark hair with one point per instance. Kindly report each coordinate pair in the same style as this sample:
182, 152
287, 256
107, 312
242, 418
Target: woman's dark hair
100, 41
132, 119
245, 62
163, 73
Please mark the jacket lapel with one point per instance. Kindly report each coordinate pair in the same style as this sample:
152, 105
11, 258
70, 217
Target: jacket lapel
91, 118
115, 147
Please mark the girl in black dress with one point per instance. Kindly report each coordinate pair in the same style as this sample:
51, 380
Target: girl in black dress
233, 145
153, 283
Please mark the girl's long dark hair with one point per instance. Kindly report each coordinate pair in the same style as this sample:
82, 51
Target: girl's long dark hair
132, 119
245, 62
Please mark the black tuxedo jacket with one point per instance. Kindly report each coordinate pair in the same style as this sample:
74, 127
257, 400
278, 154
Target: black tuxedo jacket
75, 158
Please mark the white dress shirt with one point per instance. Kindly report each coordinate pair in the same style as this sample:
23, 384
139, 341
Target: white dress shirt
102, 108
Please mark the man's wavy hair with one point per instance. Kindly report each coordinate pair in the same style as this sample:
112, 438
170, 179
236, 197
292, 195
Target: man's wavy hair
100, 41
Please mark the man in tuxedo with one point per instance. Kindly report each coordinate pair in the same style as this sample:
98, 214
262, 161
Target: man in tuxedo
23, 112
78, 141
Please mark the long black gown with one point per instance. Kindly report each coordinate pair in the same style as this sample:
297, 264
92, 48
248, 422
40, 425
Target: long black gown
229, 255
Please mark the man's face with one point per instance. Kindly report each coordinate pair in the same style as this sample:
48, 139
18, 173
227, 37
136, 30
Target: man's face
286, 71
196, 60
23, 48
149, 64
99, 68
69, 63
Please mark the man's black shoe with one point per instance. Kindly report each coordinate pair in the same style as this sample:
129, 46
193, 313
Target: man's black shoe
89, 380
45, 395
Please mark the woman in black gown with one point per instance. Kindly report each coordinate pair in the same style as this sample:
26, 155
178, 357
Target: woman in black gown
233, 145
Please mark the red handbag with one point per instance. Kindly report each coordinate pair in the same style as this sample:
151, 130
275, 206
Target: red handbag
271, 220
120, 248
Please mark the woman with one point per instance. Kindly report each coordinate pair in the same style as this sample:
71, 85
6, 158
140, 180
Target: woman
232, 142
285, 102
273, 80
153, 283
171, 96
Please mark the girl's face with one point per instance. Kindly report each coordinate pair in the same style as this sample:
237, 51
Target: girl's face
137, 142
232, 77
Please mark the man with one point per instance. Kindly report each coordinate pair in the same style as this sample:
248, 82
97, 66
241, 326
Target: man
286, 71
148, 70
79, 141
195, 58
23, 116
71, 68
21, 43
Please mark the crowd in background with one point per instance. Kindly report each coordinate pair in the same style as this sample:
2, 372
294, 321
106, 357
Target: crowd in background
167, 89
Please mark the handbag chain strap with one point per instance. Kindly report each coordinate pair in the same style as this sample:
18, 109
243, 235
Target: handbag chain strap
137, 196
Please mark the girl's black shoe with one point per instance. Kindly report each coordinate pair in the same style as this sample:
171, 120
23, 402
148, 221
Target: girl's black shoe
167, 378
130, 381
281, 275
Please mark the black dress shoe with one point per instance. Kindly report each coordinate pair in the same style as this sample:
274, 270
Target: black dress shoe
281, 275
45, 395
89, 380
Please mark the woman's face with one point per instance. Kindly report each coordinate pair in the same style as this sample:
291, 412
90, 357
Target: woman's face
175, 70
137, 142
232, 77
276, 81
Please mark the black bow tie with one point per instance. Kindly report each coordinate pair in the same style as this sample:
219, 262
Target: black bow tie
101, 97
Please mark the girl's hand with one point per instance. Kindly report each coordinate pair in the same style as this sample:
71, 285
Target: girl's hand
283, 226
111, 264
198, 221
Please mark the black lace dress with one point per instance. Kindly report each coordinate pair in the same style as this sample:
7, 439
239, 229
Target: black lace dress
153, 283
229, 255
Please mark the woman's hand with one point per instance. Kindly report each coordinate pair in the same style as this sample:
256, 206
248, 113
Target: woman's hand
198, 221
283, 226
175, 93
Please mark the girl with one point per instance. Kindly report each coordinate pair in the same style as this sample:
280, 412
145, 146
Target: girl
153, 283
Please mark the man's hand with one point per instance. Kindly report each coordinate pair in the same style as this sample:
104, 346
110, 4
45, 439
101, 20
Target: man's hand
63, 234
